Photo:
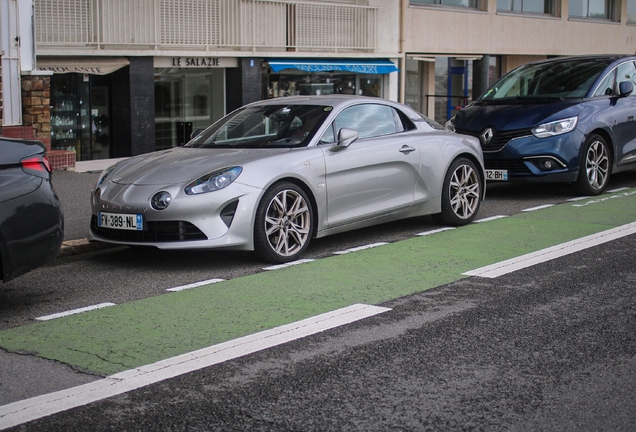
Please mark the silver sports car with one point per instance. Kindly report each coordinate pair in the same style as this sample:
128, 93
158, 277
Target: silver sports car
273, 174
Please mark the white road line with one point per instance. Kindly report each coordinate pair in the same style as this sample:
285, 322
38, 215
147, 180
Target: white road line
617, 189
491, 218
359, 248
435, 231
194, 285
289, 264
581, 198
74, 311
538, 207
528, 260
41, 406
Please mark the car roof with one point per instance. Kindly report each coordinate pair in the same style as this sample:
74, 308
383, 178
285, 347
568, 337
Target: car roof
609, 58
336, 101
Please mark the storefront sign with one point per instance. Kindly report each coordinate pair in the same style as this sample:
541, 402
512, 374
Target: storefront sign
195, 62
94, 66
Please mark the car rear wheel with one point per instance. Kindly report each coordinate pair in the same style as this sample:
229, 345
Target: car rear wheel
284, 223
461, 193
595, 167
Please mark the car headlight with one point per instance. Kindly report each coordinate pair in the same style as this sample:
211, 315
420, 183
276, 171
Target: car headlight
555, 128
104, 175
450, 125
214, 181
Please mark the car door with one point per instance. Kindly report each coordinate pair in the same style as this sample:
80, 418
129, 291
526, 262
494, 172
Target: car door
376, 174
625, 127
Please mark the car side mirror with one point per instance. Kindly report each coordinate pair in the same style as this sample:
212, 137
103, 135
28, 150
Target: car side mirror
346, 137
626, 88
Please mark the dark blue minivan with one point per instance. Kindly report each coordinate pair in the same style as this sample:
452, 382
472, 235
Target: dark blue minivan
570, 119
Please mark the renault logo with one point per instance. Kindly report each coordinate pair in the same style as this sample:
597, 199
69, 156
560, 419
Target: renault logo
487, 135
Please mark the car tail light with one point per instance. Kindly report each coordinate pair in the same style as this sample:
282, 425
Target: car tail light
37, 165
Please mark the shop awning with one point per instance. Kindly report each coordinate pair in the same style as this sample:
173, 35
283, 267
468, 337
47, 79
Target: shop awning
93, 65
326, 65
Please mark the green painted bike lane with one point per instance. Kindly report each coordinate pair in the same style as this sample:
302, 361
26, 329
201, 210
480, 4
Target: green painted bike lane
130, 335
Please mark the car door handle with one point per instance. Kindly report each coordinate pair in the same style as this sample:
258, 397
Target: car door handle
407, 149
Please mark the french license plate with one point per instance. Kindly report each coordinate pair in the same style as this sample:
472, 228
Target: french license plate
120, 221
501, 175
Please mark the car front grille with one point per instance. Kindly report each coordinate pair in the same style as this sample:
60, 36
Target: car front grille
499, 140
514, 166
164, 231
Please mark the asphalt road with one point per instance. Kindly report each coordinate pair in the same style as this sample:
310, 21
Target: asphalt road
110, 274
552, 347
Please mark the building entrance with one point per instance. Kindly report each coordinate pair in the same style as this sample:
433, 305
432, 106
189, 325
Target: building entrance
186, 100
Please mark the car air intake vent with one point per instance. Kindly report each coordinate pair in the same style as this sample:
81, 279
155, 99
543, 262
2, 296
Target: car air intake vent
514, 166
164, 231
499, 140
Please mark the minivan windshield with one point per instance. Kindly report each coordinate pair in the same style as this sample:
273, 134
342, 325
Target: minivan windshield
264, 126
549, 80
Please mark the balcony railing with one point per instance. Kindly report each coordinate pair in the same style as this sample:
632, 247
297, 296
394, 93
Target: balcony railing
254, 25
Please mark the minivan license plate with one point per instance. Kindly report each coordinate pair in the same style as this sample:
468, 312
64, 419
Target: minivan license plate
120, 221
497, 175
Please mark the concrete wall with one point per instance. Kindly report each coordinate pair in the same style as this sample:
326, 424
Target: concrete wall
457, 31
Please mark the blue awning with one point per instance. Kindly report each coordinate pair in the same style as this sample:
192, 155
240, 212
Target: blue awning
327, 65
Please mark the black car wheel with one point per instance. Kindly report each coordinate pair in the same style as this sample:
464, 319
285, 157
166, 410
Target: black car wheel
284, 223
595, 167
461, 193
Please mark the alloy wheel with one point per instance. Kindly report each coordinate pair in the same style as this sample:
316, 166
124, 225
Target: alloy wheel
287, 223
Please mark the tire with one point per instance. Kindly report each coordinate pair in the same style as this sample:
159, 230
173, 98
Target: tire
596, 166
284, 223
461, 193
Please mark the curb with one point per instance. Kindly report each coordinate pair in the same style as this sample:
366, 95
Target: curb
80, 246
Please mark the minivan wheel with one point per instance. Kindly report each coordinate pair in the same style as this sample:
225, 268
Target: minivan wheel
284, 223
461, 194
595, 167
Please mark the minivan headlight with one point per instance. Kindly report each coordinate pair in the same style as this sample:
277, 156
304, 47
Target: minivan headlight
555, 128
214, 181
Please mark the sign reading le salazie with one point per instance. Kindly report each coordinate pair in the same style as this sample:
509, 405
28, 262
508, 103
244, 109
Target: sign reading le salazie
195, 62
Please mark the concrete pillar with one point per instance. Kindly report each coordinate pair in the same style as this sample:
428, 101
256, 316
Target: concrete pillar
133, 108
480, 76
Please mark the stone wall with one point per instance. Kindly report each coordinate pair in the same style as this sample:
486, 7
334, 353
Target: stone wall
36, 111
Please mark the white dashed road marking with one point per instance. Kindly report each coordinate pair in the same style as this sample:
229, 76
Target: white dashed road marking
75, 311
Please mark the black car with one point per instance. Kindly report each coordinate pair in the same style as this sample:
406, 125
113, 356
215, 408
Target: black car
569, 119
31, 218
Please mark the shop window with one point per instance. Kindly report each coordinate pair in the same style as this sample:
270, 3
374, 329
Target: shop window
323, 83
595, 9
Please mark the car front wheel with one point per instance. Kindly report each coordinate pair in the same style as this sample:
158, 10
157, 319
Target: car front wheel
284, 223
595, 167
461, 193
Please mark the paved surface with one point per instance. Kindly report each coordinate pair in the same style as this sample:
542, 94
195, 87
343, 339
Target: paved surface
74, 190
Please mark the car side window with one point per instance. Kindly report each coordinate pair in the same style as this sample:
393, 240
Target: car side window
607, 86
370, 120
626, 72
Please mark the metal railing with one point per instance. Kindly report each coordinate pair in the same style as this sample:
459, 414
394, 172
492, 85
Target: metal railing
206, 25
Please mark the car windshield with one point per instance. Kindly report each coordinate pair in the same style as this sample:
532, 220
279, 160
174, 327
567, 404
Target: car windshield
264, 126
551, 80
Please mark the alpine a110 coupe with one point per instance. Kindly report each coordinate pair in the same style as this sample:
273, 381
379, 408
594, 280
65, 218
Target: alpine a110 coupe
274, 174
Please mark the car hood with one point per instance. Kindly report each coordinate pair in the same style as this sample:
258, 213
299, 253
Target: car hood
183, 164
512, 116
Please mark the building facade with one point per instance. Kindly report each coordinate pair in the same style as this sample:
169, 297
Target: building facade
98, 79
133, 77
452, 49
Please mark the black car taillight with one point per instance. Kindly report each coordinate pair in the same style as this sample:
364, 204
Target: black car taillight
37, 165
